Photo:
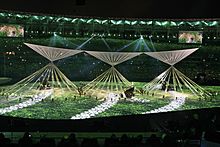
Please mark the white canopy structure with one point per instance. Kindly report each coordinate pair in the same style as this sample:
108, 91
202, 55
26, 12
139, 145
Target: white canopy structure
48, 77
173, 78
111, 80
52, 53
171, 57
113, 58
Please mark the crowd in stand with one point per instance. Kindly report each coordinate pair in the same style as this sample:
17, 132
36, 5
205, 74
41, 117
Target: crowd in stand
166, 140
173, 134
112, 141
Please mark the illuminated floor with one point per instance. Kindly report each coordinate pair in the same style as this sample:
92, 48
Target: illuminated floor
85, 106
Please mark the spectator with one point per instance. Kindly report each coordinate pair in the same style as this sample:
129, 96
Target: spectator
153, 141
26, 140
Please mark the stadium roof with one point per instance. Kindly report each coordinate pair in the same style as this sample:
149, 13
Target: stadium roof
118, 8
28, 18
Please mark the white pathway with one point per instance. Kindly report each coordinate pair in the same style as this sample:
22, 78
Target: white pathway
178, 100
29, 102
111, 100
134, 99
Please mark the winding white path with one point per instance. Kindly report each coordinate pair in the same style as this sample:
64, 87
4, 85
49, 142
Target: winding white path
178, 100
29, 102
111, 100
134, 99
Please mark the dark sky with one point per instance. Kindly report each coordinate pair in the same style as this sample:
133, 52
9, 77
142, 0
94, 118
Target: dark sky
119, 8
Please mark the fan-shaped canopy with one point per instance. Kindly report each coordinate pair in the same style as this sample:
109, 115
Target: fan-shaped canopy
53, 53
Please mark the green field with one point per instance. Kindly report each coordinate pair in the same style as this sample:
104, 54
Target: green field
57, 109
66, 105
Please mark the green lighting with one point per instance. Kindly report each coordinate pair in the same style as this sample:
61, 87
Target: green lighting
113, 21
89, 21
205, 23
127, 22
149, 22
83, 20
214, 23
197, 23
99, 21
119, 22
133, 22
74, 20
180, 23
158, 23
57, 19
143, 22
165, 23
172, 23
35, 17
104, 21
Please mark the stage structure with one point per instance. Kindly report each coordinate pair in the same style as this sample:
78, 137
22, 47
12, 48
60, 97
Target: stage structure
48, 78
111, 81
173, 79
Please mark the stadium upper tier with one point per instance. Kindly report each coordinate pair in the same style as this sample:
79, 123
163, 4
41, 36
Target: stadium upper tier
25, 17
162, 29
107, 34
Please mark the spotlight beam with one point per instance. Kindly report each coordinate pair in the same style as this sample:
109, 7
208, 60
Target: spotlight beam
63, 41
106, 44
127, 45
84, 43
152, 43
145, 45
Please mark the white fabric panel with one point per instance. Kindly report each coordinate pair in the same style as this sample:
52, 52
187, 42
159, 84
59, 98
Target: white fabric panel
53, 53
113, 58
171, 57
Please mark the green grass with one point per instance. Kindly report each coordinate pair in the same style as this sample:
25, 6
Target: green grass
65, 109
198, 104
4, 103
57, 109
212, 88
129, 108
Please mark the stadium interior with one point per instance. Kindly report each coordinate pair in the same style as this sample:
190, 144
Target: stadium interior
85, 78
